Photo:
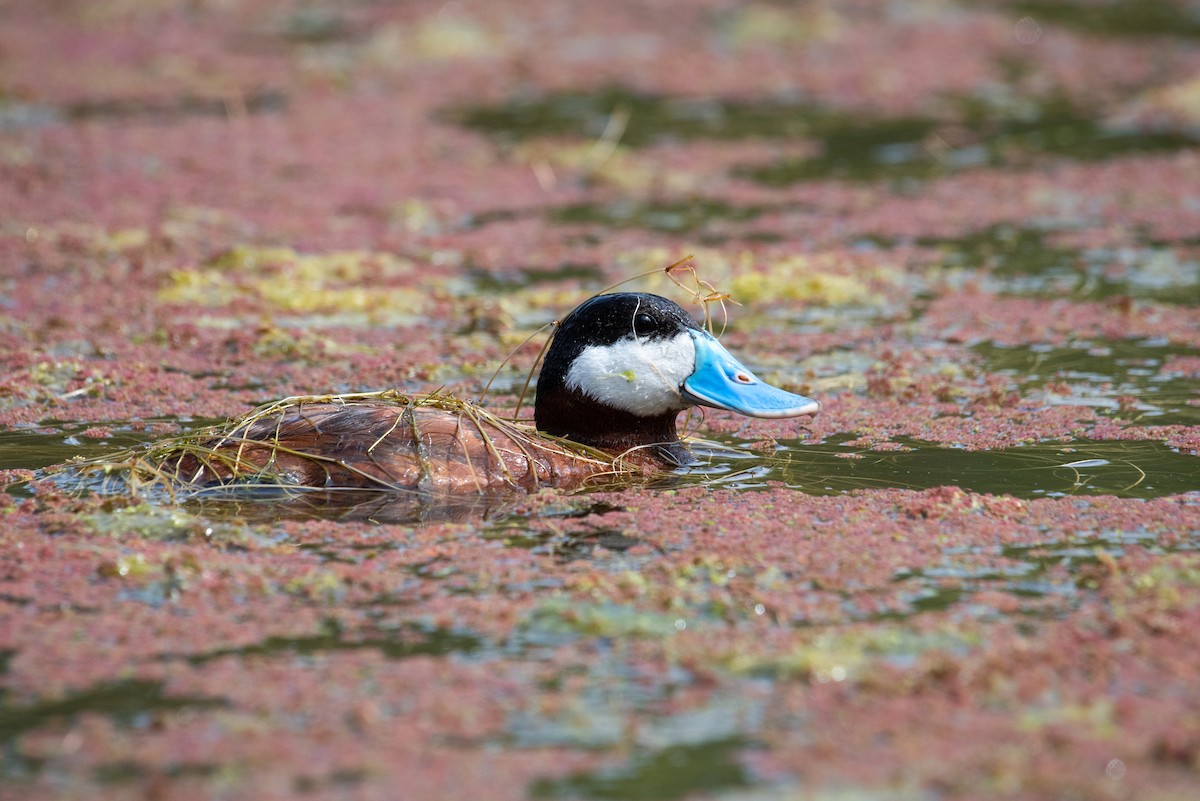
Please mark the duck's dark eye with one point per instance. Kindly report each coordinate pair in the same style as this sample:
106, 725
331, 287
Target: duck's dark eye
643, 324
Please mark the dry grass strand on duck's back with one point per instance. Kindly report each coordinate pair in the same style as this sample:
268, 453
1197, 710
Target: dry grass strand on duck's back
220, 451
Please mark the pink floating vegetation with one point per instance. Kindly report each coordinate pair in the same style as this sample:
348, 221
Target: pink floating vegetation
208, 206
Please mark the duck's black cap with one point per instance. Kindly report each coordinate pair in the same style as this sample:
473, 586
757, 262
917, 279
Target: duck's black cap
607, 319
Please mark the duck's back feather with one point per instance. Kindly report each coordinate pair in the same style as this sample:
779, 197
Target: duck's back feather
384, 446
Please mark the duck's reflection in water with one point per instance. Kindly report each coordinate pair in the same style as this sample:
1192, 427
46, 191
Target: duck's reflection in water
353, 505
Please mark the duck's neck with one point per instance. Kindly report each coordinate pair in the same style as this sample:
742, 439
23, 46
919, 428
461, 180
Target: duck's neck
569, 413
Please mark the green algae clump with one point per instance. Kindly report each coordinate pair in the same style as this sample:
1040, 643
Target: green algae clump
284, 281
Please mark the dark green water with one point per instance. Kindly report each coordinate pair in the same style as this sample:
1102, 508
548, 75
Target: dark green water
1118, 18
130, 704
1126, 469
55, 443
850, 145
1024, 261
669, 773
666, 217
400, 644
1128, 378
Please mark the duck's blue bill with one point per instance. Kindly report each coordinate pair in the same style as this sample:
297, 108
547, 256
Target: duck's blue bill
721, 381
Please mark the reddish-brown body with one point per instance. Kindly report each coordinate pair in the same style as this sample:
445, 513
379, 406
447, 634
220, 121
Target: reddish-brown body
385, 446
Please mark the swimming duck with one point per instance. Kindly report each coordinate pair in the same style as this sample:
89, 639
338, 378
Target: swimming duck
620, 369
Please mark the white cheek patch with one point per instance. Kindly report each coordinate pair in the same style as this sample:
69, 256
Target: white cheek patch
640, 376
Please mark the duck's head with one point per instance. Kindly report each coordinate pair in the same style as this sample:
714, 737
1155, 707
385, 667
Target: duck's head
622, 366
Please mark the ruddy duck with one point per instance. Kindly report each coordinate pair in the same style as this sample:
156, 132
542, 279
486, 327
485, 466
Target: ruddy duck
619, 370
